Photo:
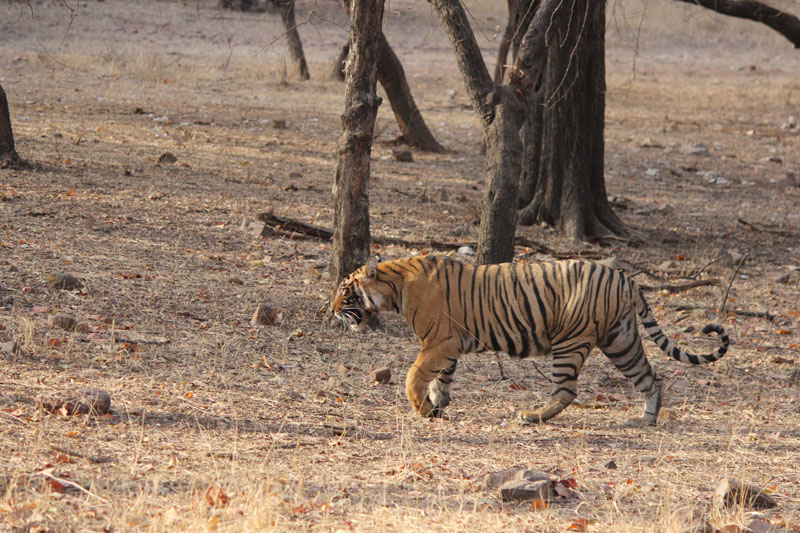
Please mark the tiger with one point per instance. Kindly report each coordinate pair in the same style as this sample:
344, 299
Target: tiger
562, 309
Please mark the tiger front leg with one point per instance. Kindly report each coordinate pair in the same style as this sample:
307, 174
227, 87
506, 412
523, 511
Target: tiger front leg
430, 377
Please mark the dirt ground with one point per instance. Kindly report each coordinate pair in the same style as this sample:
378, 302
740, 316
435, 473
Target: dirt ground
281, 422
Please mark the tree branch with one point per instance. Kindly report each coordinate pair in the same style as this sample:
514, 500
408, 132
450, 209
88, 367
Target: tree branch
477, 80
784, 23
532, 53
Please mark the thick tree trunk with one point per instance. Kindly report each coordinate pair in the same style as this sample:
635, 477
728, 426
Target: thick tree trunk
286, 9
8, 153
501, 113
351, 184
562, 178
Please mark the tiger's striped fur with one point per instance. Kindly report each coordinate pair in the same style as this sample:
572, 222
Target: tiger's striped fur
562, 309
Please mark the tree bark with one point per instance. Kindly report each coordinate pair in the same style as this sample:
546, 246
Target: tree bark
393, 80
505, 43
337, 71
351, 183
501, 113
562, 179
784, 23
8, 153
286, 9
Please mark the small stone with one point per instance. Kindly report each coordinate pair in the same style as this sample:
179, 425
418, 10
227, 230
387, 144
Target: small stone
264, 315
762, 526
695, 149
611, 465
94, 401
167, 158
688, 519
11, 347
461, 231
648, 143
82, 328
526, 491
647, 459
342, 369
403, 156
63, 321
731, 492
381, 375
63, 281
495, 480
466, 250
279, 124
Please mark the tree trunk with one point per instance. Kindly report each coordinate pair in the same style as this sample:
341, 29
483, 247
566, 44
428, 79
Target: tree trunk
286, 9
501, 113
505, 43
8, 153
351, 183
243, 5
409, 119
337, 71
562, 180
392, 78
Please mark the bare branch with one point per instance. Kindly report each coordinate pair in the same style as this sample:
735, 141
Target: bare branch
784, 23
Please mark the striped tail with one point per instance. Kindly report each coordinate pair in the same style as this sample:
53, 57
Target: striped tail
668, 346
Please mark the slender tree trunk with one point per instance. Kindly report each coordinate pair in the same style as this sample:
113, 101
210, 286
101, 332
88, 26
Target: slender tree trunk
8, 153
501, 113
351, 183
286, 9
337, 71
562, 178
505, 43
393, 80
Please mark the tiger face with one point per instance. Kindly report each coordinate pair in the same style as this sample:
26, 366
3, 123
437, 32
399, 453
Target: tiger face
352, 303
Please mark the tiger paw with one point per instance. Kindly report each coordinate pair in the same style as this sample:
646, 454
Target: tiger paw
528, 418
639, 422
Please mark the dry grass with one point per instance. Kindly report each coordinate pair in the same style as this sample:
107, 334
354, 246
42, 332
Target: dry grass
259, 411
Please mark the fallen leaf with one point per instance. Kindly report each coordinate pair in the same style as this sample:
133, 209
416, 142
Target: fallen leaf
54, 342
216, 496
581, 524
55, 486
517, 386
537, 505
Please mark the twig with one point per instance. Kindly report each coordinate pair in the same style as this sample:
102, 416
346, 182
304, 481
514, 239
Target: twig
725, 298
15, 418
677, 287
720, 258
741, 312
782, 233
98, 460
70, 484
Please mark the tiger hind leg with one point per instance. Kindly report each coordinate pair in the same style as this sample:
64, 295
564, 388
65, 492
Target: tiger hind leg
439, 389
623, 346
567, 363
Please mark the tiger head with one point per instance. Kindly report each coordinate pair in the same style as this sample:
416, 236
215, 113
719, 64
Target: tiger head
356, 299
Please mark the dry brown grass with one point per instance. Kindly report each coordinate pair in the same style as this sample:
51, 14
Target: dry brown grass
256, 410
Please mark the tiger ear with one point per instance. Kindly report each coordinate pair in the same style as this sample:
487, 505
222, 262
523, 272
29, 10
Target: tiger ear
372, 266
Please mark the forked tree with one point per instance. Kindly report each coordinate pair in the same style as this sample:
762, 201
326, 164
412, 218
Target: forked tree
351, 236
551, 167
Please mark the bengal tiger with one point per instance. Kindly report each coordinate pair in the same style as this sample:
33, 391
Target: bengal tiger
560, 308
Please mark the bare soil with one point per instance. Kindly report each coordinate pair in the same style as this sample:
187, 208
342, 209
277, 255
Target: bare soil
216, 424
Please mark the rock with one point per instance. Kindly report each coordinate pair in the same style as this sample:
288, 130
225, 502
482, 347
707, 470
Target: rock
688, 519
264, 315
167, 158
94, 401
63, 281
403, 156
279, 124
611, 465
762, 526
11, 347
63, 321
526, 491
82, 328
792, 179
698, 149
648, 143
380, 375
731, 492
466, 250
495, 480
461, 231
